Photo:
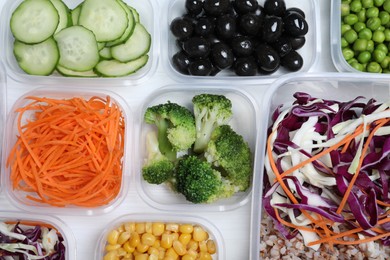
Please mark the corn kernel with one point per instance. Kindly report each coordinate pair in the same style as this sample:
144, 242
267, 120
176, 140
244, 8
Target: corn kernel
157, 244
192, 252
172, 227
188, 257
141, 257
185, 238
158, 228
186, 228
123, 237
179, 247
199, 234
148, 239
205, 256
129, 226
175, 236
121, 228
171, 252
128, 247
169, 257
112, 237
193, 245
148, 227
211, 249
166, 240
140, 228
134, 239
203, 246
153, 251
112, 247
153, 257
142, 248
121, 252
112, 255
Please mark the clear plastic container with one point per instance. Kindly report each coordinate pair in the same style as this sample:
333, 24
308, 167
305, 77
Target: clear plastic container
18, 197
147, 10
63, 229
244, 122
212, 230
336, 86
3, 104
310, 51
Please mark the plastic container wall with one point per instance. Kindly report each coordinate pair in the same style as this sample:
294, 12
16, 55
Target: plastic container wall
3, 105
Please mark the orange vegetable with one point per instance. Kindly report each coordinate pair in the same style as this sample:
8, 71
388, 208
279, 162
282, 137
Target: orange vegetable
69, 152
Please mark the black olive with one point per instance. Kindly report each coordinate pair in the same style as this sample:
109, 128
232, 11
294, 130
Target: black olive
181, 28
197, 47
181, 62
272, 28
275, 7
267, 58
204, 26
282, 46
263, 72
216, 7
298, 42
194, 7
292, 61
249, 24
245, 6
242, 46
222, 55
259, 11
214, 71
295, 25
295, 10
200, 67
226, 26
245, 66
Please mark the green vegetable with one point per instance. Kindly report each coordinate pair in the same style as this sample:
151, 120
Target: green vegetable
210, 112
228, 151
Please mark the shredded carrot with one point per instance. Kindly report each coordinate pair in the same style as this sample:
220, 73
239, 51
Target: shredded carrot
69, 152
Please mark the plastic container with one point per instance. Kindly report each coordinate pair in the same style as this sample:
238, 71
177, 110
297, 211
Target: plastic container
336, 86
3, 104
63, 229
213, 232
310, 51
18, 197
148, 12
244, 122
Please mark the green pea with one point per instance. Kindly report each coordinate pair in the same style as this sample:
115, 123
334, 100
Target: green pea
387, 34
355, 6
387, 71
377, 36
360, 45
352, 60
364, 57
371, 12
361, 16
378, 55
381, 28
357, 66
344, 43
370, 45
365, 34
372, 23
367, 3
344, 9
351, 36
382, 47
359, 26
385, 17
385, 63
344, 28
351, 19
348, 53
374, 67
386, 5
378, 3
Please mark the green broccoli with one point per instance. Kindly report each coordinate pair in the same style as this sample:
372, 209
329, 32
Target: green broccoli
157, 168
175, 125
199, 182
228, 151
210, 111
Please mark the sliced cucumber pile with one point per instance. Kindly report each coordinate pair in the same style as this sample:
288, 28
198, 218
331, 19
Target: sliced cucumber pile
96, 38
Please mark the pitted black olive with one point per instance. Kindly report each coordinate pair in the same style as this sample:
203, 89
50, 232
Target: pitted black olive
200, 67
194, 7
245, 6
272, 28
226, 26
181, 28
222, 55
292, 61
275, 7
245, 66
216, 7
282, 46
295, 10
298, 42
197, 47
204, 26
181, 62
249, 24
267, 58
242, 46
295, 25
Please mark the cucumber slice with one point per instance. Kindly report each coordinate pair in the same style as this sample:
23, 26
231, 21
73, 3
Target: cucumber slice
37, 59
75, 13
136, 46
106, 19
135, 14
130, 26
114, 68
71, 73
64, 14
78, 48
105, 53
34, 21
101, 45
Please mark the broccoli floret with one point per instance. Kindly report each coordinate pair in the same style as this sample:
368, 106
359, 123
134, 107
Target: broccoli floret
210, 111
175, 125
228, 151
199, 182
157, 168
